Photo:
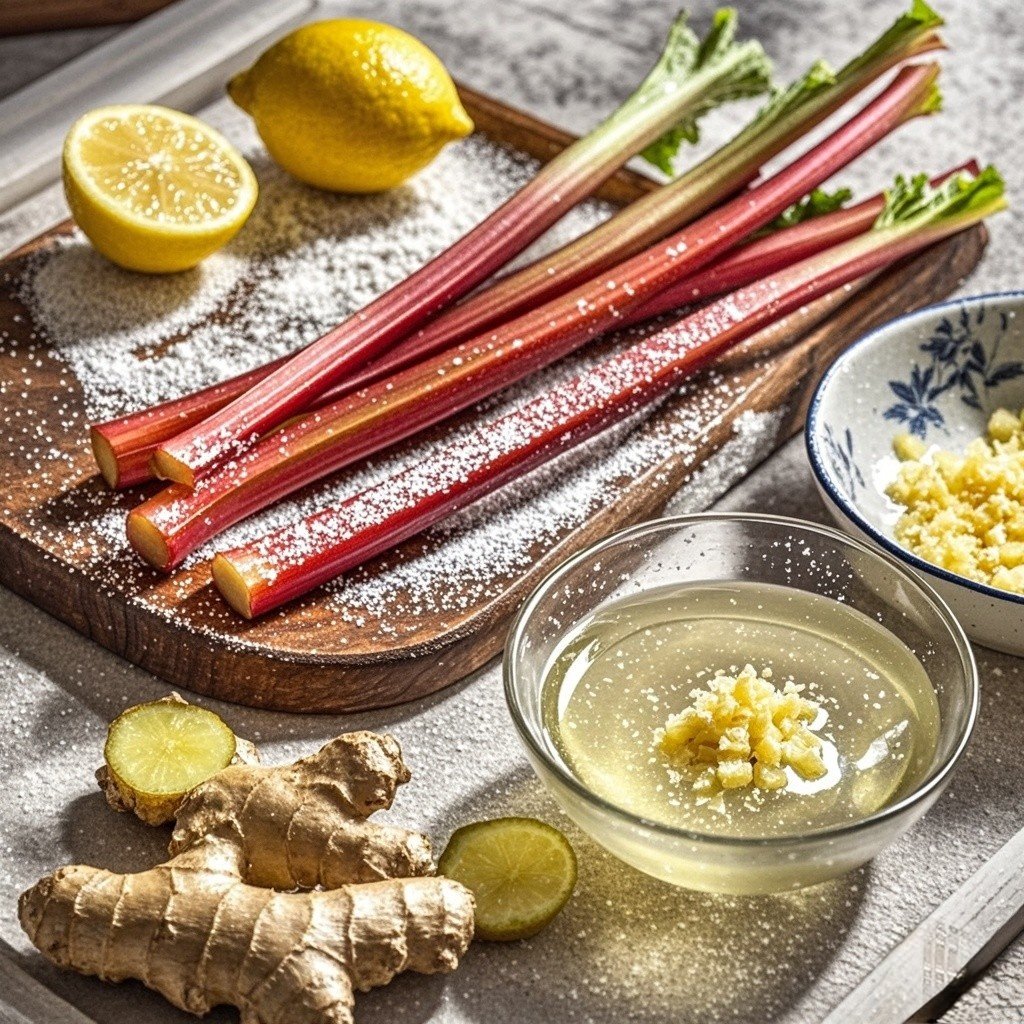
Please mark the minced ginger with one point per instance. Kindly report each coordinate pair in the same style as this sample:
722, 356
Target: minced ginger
746, 731
965, 513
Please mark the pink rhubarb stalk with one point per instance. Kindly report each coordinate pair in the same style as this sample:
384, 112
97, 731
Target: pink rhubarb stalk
774, 251
785, 118
292, 561
167, 527
691, 76
123, 447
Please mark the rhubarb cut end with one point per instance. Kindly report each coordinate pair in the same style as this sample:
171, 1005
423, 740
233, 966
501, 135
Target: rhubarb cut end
103, 453
148, 541
167, 467
232, 586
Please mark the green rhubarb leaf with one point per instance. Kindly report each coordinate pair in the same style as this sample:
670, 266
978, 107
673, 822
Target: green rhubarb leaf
817, 203
911, 33
787, 103
793, 110
715, 71
913, 202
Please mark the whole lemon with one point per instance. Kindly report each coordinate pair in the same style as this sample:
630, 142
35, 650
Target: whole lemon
351, 105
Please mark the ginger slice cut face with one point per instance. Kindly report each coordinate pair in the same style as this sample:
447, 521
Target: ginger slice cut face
522, 872
156, 752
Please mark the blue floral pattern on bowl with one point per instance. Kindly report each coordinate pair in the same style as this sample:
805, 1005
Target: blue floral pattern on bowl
937, 373
960, 360
840, 454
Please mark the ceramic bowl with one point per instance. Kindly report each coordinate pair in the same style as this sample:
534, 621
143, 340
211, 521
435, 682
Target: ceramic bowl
937, 373
758, 549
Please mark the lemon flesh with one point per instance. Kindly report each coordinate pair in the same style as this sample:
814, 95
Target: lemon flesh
153, 189
351, 105
163, 749
521, 871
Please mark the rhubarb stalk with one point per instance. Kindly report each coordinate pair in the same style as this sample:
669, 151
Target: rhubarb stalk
291, 561
690, 77
123, 447
788, 115
778, 249
167, 527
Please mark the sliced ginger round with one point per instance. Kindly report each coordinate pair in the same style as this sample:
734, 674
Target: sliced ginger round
155, 190
521, 872
159, 751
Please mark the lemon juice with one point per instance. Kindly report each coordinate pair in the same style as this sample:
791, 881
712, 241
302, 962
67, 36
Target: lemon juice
624, 671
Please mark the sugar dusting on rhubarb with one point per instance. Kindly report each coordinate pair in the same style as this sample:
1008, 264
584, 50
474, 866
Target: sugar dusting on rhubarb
305, 261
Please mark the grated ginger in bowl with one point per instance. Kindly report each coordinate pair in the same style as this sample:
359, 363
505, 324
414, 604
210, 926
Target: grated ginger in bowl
744, 731
965, 513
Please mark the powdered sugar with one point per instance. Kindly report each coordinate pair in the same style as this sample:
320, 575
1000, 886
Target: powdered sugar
307, 260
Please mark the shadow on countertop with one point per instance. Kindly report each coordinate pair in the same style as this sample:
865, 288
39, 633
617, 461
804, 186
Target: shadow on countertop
628, 946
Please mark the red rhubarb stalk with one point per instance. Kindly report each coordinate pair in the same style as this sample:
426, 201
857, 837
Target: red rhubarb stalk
691, 76
774, 251
123, 447
790, 114
740, 266
167, 527
291, 561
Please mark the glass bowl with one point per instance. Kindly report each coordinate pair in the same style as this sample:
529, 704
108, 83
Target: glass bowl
760, 549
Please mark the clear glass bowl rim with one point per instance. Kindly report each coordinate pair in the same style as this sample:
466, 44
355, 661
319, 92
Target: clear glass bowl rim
934, 781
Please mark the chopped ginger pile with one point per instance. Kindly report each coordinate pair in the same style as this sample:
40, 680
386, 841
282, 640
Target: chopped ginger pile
746, 732
965, 513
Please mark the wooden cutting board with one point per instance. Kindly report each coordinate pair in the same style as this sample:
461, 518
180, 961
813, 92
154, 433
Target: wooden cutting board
308, 657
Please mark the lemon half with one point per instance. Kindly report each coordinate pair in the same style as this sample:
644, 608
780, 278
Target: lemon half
154, 189
351, 105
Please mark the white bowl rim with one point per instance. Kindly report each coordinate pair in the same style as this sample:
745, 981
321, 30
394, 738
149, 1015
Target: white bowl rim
934, 783
821, 473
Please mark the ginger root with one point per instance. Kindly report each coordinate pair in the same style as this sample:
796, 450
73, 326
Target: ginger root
221, 922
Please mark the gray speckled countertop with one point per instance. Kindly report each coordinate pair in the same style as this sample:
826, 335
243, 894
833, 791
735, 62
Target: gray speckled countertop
627, 948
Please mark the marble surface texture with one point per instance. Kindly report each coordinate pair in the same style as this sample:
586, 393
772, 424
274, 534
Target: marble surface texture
627, 948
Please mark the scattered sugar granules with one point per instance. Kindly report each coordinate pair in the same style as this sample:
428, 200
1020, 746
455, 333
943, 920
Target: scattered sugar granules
305, 261
965, 512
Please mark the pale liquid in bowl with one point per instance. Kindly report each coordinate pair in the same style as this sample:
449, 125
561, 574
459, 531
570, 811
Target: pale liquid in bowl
621, 672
